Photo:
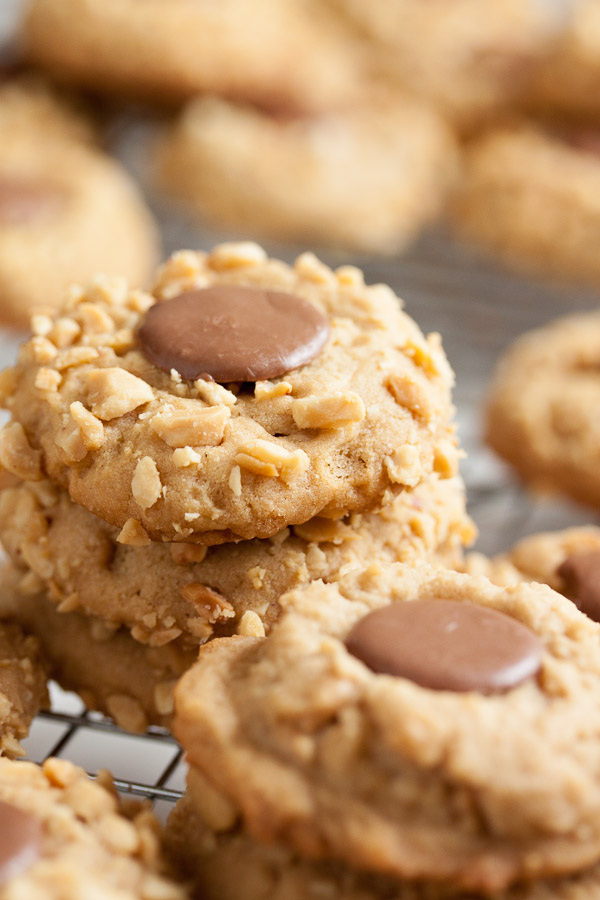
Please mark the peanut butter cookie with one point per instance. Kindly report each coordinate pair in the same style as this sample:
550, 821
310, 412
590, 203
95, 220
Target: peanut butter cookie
541, 413
113, 673
188, 593
67, 210
281, 53
367, 178
64, 836
531, 197
242, 396
446, 51
409, 723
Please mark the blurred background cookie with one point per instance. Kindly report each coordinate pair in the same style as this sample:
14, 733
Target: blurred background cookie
367, 177
469, 61
530, 195
567, 79
281, 53
541, 415
66, 209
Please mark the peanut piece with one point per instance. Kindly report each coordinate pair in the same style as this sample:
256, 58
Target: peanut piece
207, 603
269, 459
17, 455
75, 356
236, 255
214, 394
404, 466
47, 380
146, 485
407, 392
184, 554
266, 390
114, 392
190, 425
91, 428
250, 625
334, 411
186, 456
133, 534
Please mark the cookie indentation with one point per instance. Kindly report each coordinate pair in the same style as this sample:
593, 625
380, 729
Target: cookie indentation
447, 646
233, 333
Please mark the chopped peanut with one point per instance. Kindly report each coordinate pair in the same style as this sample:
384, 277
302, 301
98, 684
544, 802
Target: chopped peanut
334, 411
114, 392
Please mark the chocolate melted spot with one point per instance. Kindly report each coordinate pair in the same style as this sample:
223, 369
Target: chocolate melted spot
233, 333
24, 202
20, 839
447, 646
580, 575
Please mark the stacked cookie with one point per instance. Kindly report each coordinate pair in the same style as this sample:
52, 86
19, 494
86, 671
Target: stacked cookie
181, 459
402, 733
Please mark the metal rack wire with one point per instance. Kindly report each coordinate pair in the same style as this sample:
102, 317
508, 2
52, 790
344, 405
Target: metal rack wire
71, 732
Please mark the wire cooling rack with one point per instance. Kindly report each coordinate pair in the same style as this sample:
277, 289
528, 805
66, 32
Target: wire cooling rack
150, 765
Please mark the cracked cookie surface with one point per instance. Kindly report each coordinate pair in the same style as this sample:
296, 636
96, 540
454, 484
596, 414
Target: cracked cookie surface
167, 459
312, 748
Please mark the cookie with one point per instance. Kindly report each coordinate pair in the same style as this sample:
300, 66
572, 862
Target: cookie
27, 102
23, 691
389, 722
568, 561
540, 411
469, 64
326, 398
530, 198
165, 51
189, 593
65, 836
112, 672
66, 209
366, 178
219, 857
566, 81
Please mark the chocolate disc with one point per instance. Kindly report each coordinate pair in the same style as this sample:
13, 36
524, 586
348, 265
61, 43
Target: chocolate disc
233, 333
580, 574
20, 839
23, 202
447, 646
